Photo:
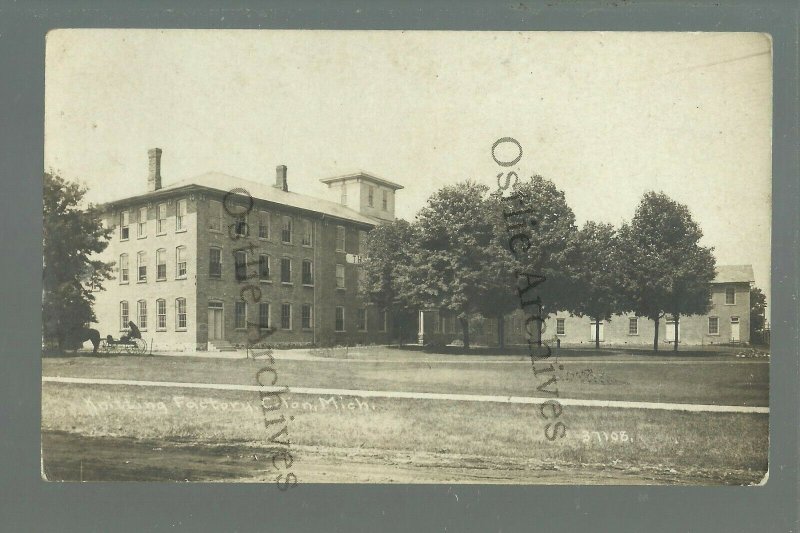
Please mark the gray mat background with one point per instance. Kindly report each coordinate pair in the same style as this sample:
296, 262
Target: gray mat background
29, 504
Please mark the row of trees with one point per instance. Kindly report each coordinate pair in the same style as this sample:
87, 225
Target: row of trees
455, 256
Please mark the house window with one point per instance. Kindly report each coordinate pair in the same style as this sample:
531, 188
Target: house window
240, 262
142, 313
713, 325
141, 265
180, 262
240, 226
263, 315
384, 321
730, 296
340, 236
286, 230
307, 233
340, 319
308, 274
215, 215
340, 276
124, 221
142, 226
286, 270
305, 316
161, 219
180, 216
240, 314
215, 262
633, 326
371, 196
385, 200
123, 268
161, 264
124, 316
161, 314
263, 225
561, 326
343, 199
263, 267
361, 319
286, 316
180, 313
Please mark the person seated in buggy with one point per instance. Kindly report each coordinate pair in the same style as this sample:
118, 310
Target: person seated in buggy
133, 333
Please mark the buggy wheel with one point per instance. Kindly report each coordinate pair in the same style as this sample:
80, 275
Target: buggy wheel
139, 346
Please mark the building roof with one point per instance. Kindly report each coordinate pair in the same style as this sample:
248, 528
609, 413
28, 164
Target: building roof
265, 191
734, 274
364, 176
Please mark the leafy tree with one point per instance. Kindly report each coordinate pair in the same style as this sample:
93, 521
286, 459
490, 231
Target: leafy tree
71, 237
386, 249
758, 309
452, 262
549, 225
594, 260
665, 270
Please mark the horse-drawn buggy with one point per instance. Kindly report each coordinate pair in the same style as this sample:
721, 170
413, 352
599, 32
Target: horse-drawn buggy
123, 345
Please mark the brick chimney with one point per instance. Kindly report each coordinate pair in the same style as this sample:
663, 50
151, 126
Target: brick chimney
280, 178
154, 175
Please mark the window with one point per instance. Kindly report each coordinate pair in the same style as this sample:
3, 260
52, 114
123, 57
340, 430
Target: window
307, 231
340, 319
263, 225
370, 196
340, 276
384, 321
161, 219
180, 313
308, 273
286, 230
633, 326
142, 313
286, 270
142, 226
385, 200
361, 321
713, 325
730, 296
263, 315
180, 262
286, 316
141, 265
124, 316
305, 316
263, 267
240, 226
180, 216
240, 314
161, 264
340, 236
344, 193
124, 221
561, 326
362, 278
215, 215
161, 314
240, 262
215, 262
123, 268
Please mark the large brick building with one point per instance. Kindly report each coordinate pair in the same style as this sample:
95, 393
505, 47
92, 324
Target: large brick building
212, 260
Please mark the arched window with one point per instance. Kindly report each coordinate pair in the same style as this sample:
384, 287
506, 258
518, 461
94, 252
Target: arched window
180, 313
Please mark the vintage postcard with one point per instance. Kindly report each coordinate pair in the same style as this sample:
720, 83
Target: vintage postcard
301, 256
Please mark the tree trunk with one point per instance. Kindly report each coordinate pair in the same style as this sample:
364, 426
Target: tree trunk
501, 332
596, 334
655, 337
465, 330
677, 335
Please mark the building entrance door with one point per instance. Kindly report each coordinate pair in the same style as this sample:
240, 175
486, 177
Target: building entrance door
735, 329
215, 321
593, 331
671, 334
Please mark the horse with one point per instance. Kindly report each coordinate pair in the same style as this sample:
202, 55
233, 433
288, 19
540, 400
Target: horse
81, 335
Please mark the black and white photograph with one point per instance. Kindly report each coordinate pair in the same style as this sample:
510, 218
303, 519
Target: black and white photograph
411, 257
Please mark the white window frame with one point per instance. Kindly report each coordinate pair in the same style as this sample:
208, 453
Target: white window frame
340, 268
124, 314
307, 238
239, 266
141, 313
633, 320
181, 251
731, 290
563, 323
124, 269
236, 305
161, 259
215, 214
180, 217
124, 225
267, 279
310, 264
141, 261
269, 312
161, 226
310, 308
210, 273
263, 222
284, 220
715, 333
335, 319
178, 314
161, 303
141, 226
289, 259
362, 327
283, 306
341, 237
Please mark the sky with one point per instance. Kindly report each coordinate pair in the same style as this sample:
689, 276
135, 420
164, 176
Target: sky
605, 116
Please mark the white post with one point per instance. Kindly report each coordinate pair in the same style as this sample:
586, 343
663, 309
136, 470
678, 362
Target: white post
421, 333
